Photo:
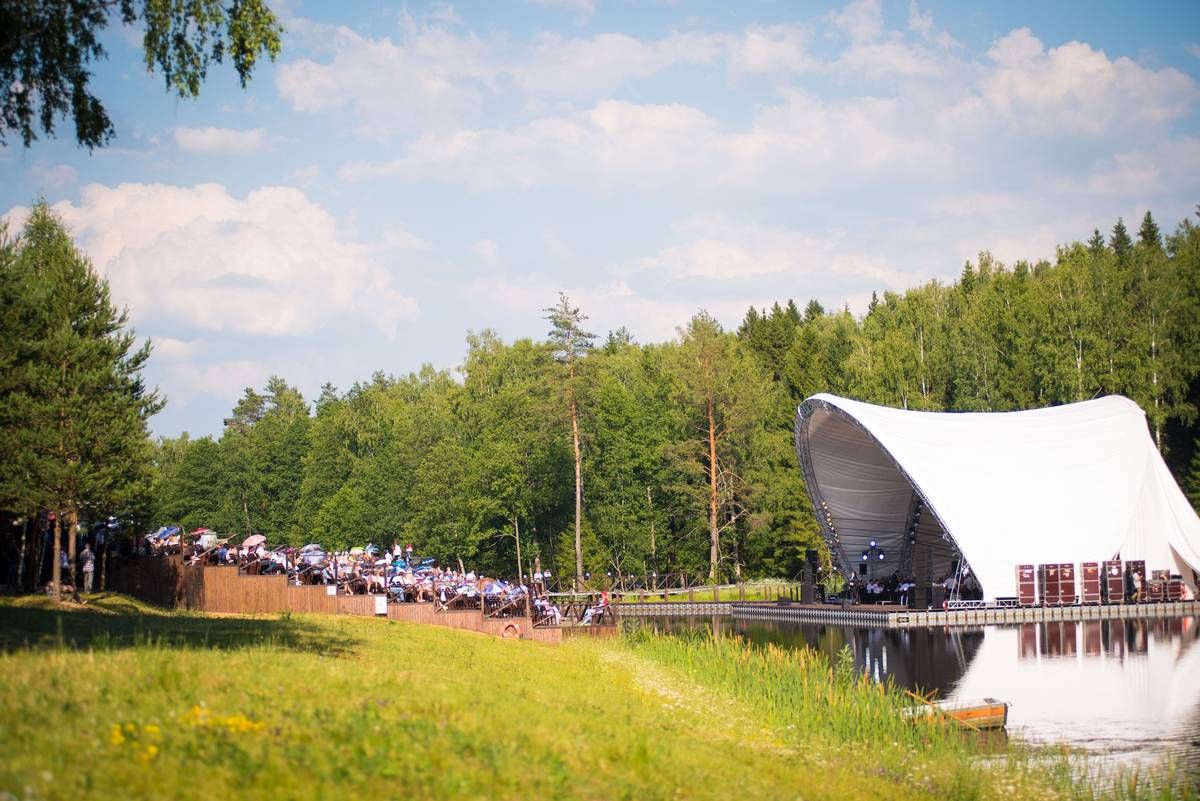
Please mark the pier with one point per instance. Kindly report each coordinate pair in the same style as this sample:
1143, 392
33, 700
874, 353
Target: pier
888, 616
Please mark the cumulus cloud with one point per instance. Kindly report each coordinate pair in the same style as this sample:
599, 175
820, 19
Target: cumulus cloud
434, 74
220, 140
797, 144
271, 263
1078, 89
431, 74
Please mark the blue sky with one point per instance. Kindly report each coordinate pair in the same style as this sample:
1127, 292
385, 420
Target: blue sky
405, 173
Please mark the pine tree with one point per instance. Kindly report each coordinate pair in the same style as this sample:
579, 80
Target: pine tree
570, 343
75, 405
720, 395
1120, 243
1148, 234
1096, 243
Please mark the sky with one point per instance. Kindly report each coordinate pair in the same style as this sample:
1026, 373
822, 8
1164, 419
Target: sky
404, 174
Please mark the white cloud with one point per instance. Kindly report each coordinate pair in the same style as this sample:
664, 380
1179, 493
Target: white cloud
796, 145
1193, 48
1152, 171
486, 250
729, 252
861, 20
272, 263
1077, 89
56, 177
220, 140
555, 66
583, 9
918, 22
228, 379
431, 74
771, 49
171, 349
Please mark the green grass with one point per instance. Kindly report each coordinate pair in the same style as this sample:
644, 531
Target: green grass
122, 701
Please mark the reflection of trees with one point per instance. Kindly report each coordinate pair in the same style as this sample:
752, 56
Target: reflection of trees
932, 660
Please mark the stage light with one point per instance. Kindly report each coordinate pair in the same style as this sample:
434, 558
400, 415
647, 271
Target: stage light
873, 543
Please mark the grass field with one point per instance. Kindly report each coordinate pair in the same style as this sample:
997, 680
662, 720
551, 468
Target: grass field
122, 701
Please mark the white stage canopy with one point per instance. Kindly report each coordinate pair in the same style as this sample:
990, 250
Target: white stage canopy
1076, 483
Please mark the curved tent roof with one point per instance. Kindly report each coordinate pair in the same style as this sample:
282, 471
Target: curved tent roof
1075, 483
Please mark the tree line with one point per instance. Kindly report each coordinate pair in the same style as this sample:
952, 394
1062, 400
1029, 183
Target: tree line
601, 456
590, 454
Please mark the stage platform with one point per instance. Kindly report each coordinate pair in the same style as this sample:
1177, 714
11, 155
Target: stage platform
888, 616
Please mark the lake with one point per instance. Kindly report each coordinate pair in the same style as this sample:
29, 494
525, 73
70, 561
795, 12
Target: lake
1124, 689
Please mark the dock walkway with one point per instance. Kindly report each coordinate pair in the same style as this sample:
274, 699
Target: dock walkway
887, 616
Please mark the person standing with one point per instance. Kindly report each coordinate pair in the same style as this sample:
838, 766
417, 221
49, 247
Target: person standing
87, 564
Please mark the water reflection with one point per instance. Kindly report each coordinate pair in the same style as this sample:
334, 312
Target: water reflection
1118, 687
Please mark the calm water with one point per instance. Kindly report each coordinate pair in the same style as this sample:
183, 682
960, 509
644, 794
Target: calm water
1125, 689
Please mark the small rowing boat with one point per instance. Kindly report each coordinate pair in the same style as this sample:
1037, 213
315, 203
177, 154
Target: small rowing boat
984, 713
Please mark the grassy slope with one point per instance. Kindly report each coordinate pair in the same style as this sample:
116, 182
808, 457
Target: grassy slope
122, 701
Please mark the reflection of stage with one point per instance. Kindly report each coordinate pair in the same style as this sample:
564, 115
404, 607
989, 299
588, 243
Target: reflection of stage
1111, 685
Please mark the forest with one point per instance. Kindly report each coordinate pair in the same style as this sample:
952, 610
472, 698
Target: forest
684, 448
592, 453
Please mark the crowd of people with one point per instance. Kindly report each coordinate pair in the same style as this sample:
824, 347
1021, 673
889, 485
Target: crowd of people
394, 572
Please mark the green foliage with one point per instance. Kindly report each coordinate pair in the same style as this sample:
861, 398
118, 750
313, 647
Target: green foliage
73, 407
47, 48
457, 464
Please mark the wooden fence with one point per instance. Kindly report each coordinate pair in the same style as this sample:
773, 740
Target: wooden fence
166, 581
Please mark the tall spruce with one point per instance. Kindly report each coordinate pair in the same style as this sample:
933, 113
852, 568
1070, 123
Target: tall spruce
1120, 243
75, 403
571, 342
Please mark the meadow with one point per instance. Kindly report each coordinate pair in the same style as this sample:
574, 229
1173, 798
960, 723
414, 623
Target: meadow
120, 700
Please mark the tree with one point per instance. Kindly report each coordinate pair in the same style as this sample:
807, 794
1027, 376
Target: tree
1191, 483
1120, 243
719, 394
47, 48
75, 407
184, 487
1148, 234
570, 343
